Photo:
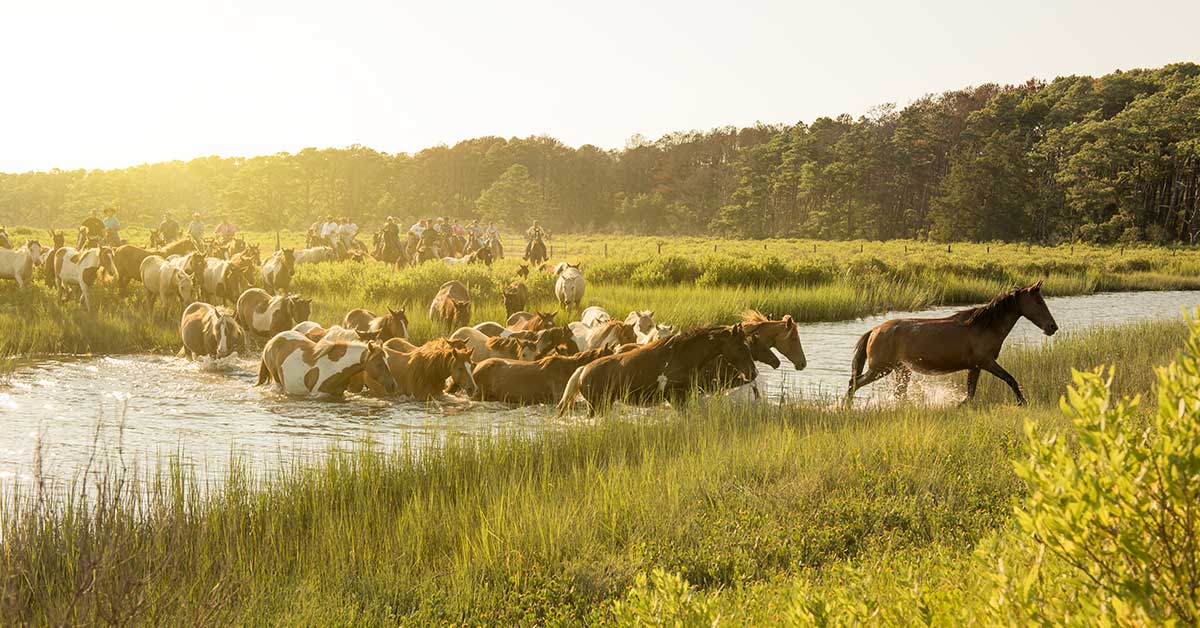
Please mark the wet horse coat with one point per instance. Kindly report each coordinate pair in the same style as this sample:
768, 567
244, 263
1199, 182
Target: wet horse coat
209, 331
541, 381
299, 366
264, 316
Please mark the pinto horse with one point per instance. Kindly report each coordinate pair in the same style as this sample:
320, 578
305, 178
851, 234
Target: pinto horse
968, 340
666, 369
394, 324
75, 269
299, 366
128, 258
209, 331
277, 271
264, 316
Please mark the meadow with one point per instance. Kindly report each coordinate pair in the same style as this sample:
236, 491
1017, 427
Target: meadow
756, 515
687, 281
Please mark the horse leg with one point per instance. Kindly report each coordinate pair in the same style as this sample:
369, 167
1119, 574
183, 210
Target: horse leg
997, 370
972, 383
865, 379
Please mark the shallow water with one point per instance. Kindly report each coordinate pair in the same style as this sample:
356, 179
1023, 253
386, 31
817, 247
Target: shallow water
143, 409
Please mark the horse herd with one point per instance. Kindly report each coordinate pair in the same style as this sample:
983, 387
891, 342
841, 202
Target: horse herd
528, 359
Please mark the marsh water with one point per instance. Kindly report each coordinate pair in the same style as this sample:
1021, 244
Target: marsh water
146, 409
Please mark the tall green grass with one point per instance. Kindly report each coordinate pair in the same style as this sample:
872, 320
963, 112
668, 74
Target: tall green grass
543, 530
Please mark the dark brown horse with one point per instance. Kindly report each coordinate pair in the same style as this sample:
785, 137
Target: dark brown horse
525, 321
392, 325
763, 335
516, 296
969, 340
665, 369
58, 238
518, 381
451, 307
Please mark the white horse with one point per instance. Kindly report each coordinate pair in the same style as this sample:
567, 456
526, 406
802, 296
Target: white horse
75, 269
316, 254
594, 315
167, 282
569, 286
18, 264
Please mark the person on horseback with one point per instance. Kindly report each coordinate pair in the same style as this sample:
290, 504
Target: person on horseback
168, 229
347, 230
419, 227
195, 228
533, 234
112, 227
226, 231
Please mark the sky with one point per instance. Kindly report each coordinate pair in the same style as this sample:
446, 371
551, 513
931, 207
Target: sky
117, 83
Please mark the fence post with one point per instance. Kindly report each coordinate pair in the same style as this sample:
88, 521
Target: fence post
714, 248
814, 248
989, 248
947, 248
605, 250
860, 248
660, 248
551, 250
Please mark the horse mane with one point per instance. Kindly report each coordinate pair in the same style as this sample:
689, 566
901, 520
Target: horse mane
987, 313
754, 316
503, 344
693, 334
430, 365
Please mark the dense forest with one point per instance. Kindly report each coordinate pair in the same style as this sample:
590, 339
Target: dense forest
1114, 158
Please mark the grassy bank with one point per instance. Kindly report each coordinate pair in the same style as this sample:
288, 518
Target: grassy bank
692, 282
755, 506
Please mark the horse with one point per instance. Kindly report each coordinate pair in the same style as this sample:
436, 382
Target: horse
665, 369
156, 239
222, 279
491, 329
57, 238
451, 307
421, 372
316, 333
523, 271
968, 340
91, 229
277, 271
540, 381
128, 259
762, 335
299, 366
75, 269
394, 324
209, 331
594, 315
483, 347
524, 321
315, 254
537, 252
167, 282
610, 334
569, 286
5, 240
516, 297
497, 247
643, 323
387, 247
18, 264
483, 256
264, 316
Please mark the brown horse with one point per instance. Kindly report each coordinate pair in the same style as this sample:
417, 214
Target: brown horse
969, 340
451, 308
516, 296
763, 335
209, 330
666, 369
517, 381
58, 238
422, 373
394, 324
524, 321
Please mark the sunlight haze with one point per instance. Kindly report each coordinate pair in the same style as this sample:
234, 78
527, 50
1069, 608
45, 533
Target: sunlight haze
102, 85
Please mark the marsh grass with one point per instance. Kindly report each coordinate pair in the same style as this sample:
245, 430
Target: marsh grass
687, 285
520, 530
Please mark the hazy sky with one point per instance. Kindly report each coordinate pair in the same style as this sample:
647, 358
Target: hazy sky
121, 82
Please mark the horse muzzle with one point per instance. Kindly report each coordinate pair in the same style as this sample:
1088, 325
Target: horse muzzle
1050, 329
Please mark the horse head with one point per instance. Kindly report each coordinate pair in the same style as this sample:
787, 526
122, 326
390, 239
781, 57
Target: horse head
289, 260
300, 309
1034, 307
376, 373
523, 271
460, 371
396, 323
58, 238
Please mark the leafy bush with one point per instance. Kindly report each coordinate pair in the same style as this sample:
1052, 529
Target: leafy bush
665, 599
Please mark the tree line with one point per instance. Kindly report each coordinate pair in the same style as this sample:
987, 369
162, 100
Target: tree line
1107, 159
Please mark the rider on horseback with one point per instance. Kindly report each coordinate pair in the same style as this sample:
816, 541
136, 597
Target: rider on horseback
533, 234
112, 227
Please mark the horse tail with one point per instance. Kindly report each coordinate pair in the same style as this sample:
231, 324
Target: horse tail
264, 373
570, 392
860, 358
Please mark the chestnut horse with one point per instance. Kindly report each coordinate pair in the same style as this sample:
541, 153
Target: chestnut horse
421, 373
968, 340
451, 308
516, 296
524, 321
763, 335
518, 381
666, 369
394, 324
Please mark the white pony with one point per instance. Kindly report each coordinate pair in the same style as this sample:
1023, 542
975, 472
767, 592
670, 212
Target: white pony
316, 254
75, 269
569, 286
18, 264
167, 282
594, 315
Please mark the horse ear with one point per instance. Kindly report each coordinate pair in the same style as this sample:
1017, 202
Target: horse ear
1036, 286
787, 318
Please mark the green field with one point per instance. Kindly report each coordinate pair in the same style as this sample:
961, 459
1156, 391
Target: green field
756, 515
694, 281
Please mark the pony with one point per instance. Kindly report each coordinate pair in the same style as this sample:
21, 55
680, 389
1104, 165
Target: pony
277, 271
394, 324
315, 255
537, 252
594, 315
57, 239
166, 282
666, 369
222, 279
128, 259
387, 247
299, 366
74, 269
495, 245
483, 347
483, 256
263, 315
516, 296
451, 307
968, 340
642, 322
90, 230
569, 286
525, 321
611, 334
316, 333
5, 240
421, 372
491, 329
764, 337
209, 331
523, 271
18, 264
541, 381
192, 263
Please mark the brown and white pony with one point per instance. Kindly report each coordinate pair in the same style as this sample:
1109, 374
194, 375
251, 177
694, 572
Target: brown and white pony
79, 270
525, 321
222, 280
421, 373
479, 256
128, 259
666, 369
18, 264
394, 324
610, 334
277, 271
451, 307
264, 316
167, 282
483, 347
210, 331
301, 367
